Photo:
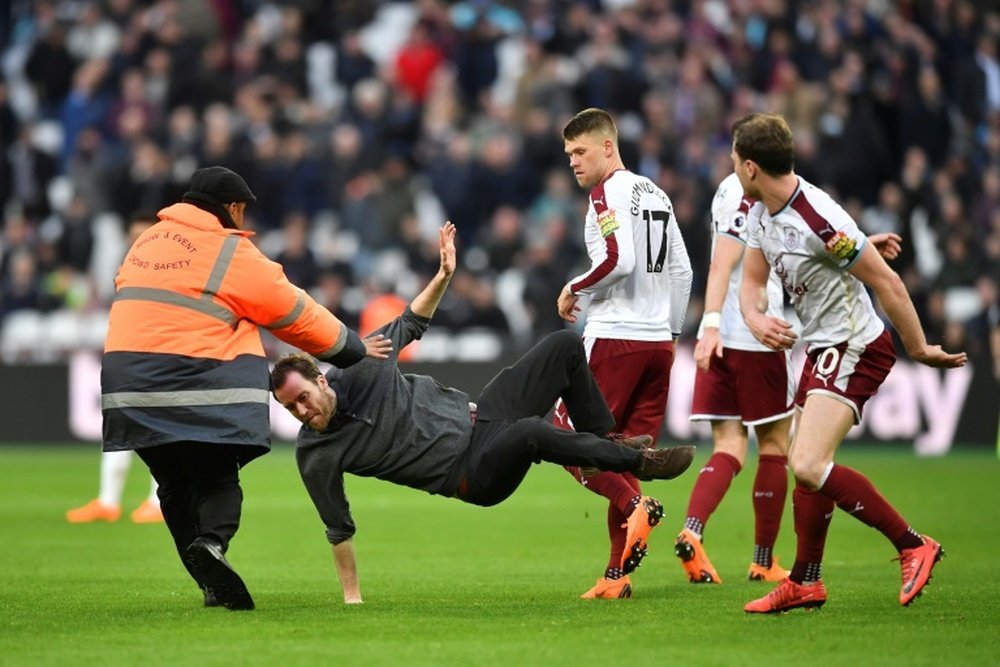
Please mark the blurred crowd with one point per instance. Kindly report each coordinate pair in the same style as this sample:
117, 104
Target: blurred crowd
362, 125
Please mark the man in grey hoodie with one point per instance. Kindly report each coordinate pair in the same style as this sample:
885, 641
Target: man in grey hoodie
372, 420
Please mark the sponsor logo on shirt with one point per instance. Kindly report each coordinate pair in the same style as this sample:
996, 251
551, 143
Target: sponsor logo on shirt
786, 281
841, 246
607, 222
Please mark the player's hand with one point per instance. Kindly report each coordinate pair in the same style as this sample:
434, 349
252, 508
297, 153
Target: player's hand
567, 305
710, 343
377, 346
934, 356
887, 244
774, 332
446, 244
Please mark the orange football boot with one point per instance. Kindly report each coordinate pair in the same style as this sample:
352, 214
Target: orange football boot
789, 595
147, 512
609, 589
773, 573
916, 565
694, 559
95, 510
640, 524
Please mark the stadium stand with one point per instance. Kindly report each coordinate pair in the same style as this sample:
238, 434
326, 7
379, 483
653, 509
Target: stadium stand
376, 120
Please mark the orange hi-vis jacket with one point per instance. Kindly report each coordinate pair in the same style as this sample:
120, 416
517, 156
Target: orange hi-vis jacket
183, 359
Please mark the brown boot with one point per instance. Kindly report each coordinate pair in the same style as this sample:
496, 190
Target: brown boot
665, 463
636, 442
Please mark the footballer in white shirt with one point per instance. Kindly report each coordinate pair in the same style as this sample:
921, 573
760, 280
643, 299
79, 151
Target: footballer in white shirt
825, 263
739, 383
638, 283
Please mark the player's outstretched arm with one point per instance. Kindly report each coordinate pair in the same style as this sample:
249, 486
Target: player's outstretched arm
347, 571
872, 270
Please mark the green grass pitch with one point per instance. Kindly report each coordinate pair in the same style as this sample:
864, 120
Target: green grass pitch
450, 584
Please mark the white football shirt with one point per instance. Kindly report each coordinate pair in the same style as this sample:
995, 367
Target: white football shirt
810, 243
640, 275
732, 215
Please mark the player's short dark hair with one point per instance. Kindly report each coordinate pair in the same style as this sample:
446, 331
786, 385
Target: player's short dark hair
296, 362
590, 120
767, 140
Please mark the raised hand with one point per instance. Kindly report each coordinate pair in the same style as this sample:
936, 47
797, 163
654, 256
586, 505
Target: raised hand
446, 244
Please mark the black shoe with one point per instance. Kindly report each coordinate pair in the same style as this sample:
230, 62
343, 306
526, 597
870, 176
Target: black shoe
206, 561
210, 599
665, 463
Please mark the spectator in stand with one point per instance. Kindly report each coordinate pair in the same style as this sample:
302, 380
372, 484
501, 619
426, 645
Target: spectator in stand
19, 288
416, 62
353, 64
29, 172
296, 256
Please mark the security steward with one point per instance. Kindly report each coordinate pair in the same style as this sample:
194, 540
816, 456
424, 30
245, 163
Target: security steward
185, 380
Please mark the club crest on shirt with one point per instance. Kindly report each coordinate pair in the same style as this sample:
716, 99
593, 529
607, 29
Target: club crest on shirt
841, 246
607, 223
792, 238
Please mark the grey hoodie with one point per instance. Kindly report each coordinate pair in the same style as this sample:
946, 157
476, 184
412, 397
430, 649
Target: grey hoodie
404, 429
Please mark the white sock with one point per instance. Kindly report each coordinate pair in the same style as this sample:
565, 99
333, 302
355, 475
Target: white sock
114, 469
153, 498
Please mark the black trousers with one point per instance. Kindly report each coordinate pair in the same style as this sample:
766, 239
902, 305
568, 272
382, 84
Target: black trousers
511, 432
199, 490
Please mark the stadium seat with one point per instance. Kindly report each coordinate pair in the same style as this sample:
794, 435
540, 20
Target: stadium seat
477, 345
434, 346
21, 336
63, 331
109, 249
93, 329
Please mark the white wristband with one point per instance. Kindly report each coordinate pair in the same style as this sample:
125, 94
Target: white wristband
711, 320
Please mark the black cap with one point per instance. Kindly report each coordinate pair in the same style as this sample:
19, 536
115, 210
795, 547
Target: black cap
218, 185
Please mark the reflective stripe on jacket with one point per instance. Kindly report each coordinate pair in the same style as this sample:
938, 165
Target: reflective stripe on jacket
183, 358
